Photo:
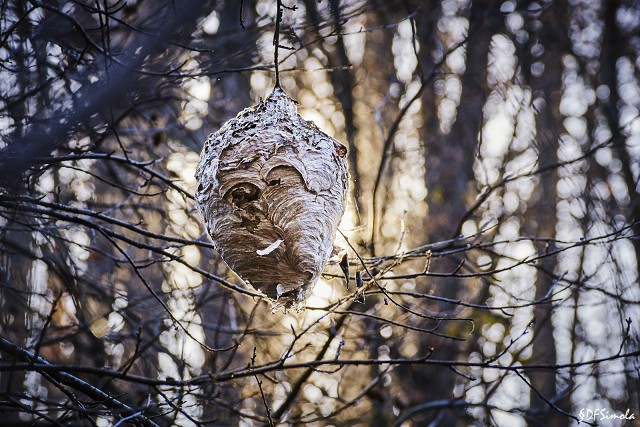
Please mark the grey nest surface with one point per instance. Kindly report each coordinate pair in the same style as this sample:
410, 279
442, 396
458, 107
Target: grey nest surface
272, 189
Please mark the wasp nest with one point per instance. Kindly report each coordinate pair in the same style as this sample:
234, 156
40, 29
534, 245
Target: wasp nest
272, 188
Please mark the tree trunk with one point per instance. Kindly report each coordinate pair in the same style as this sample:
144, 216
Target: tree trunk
548, 130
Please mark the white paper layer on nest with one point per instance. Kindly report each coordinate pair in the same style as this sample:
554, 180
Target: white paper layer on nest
272, 189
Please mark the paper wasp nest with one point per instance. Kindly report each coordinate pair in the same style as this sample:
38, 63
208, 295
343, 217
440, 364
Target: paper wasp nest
272, 188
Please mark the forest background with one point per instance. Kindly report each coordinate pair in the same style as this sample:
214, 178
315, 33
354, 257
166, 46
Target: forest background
491, 232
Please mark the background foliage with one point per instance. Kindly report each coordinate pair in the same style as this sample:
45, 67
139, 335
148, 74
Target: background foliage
492, 234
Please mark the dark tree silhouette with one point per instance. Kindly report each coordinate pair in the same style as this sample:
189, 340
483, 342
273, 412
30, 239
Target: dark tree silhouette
490, 245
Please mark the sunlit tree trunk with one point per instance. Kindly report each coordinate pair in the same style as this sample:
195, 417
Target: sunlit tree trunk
450, 159
450, 176
612, 50
343, 83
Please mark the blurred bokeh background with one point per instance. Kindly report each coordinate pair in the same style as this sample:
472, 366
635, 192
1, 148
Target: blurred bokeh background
491, 232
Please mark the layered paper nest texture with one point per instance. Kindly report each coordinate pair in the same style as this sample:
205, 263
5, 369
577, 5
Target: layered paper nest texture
272, 189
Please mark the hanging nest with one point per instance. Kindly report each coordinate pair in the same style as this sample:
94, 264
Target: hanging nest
272, 188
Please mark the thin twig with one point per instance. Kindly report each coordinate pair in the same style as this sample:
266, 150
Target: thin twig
276, 41
264, 399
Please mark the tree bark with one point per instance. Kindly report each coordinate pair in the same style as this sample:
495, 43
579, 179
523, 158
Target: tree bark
548, 86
